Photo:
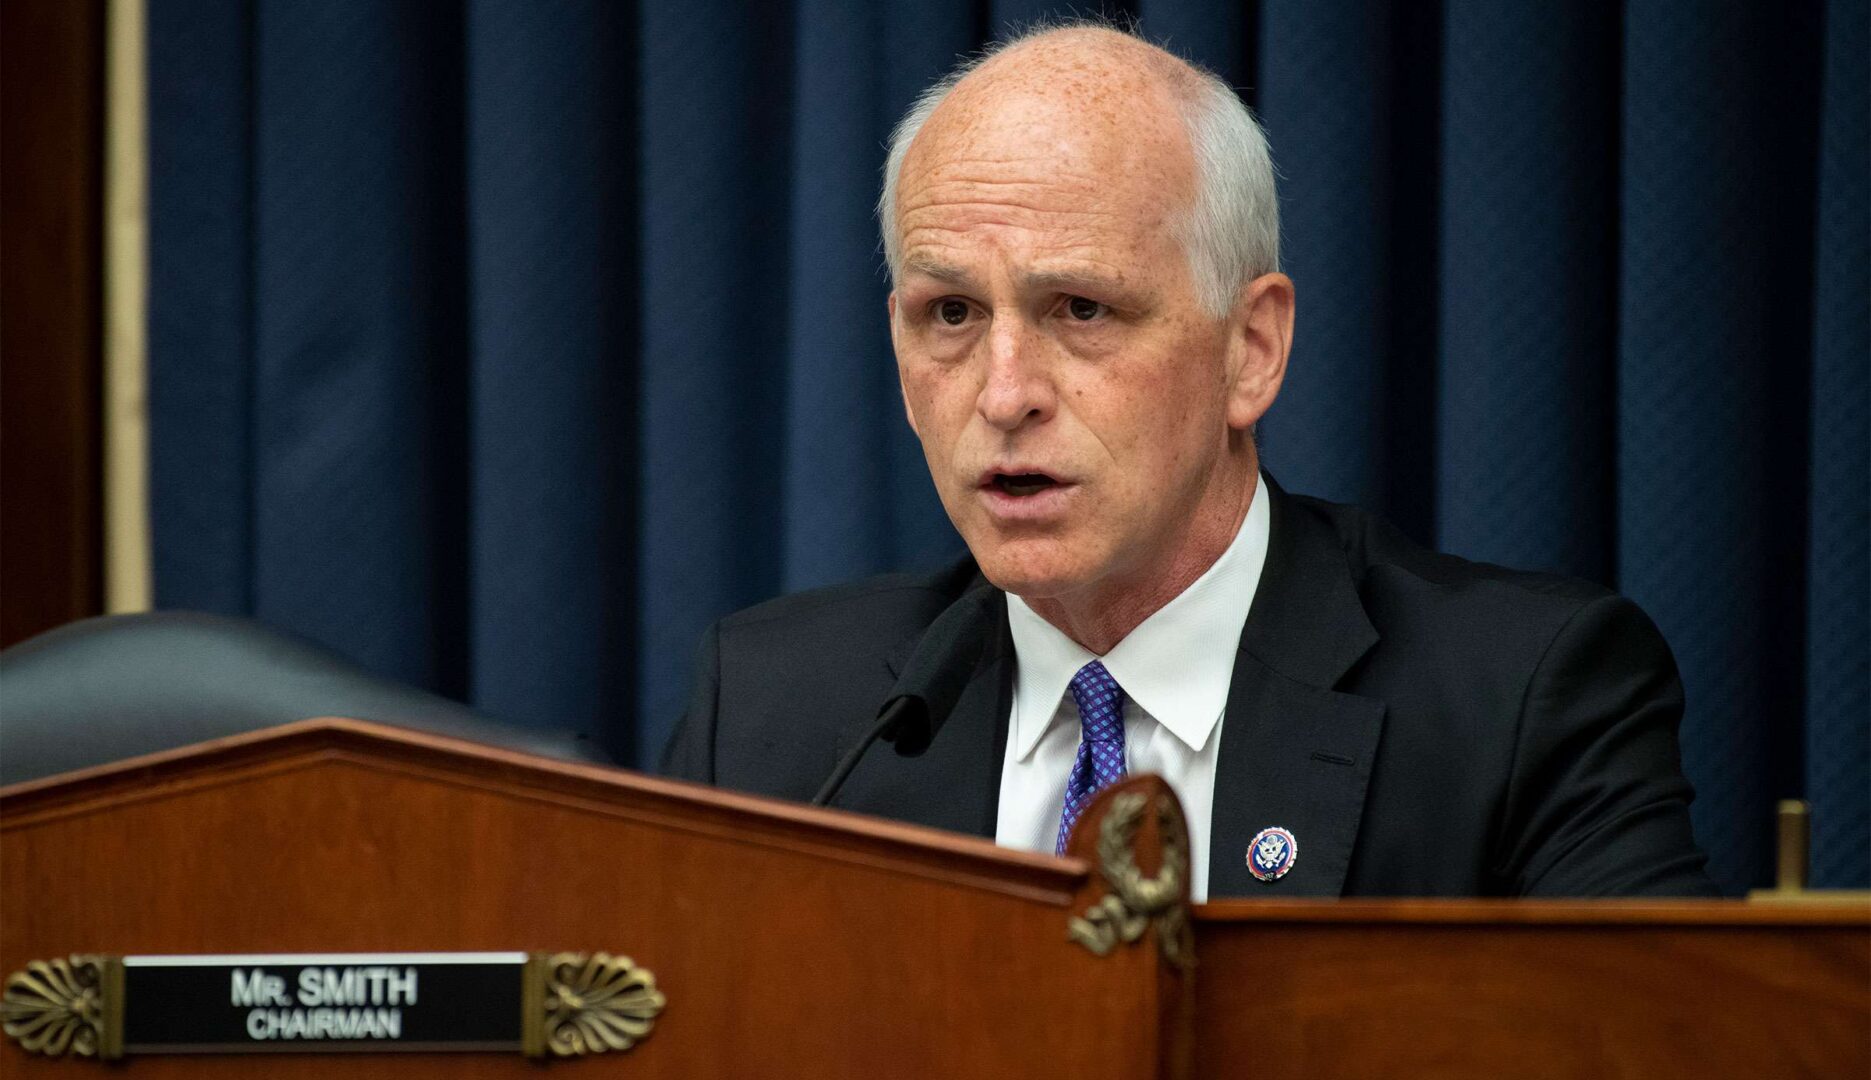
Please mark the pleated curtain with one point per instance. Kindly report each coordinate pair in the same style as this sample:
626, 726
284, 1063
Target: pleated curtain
503, 346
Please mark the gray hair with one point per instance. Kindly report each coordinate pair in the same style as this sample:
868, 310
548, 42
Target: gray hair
1231, 233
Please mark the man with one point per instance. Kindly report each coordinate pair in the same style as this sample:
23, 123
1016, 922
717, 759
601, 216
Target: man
1089, 321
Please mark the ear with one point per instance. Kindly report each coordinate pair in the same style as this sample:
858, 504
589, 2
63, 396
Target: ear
890, 305
1261, 337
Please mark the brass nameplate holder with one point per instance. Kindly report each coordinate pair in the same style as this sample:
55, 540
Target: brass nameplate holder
545, 1005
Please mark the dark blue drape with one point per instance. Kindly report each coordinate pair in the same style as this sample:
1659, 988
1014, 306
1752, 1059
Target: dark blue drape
504, 345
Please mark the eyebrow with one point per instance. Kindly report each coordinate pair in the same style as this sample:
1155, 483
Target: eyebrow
941, 271
1039, 281
1070, 281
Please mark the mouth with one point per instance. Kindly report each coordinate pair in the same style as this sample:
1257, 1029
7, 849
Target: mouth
1022, 484
1023, 495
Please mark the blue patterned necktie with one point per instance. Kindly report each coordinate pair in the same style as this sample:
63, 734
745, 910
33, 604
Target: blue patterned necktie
1101, 743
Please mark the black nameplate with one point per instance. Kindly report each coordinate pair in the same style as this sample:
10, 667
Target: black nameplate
299, 1002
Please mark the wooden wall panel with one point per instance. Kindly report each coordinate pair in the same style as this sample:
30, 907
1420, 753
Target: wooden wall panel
51, 185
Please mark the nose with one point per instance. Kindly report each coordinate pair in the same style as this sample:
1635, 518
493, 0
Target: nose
1018, 389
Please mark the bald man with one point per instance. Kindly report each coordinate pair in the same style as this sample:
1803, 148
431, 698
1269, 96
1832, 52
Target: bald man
1089, 320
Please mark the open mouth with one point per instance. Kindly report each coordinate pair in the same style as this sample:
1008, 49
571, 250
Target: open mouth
1022, 484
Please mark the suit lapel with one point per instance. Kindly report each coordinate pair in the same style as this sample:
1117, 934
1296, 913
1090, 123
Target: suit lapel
955, 784
1295, 753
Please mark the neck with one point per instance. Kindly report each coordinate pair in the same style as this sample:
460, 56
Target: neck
1101, 615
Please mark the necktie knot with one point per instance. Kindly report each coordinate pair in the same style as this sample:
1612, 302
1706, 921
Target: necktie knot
1100, 704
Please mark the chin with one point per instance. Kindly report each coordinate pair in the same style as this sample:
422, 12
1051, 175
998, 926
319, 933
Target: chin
1035, 569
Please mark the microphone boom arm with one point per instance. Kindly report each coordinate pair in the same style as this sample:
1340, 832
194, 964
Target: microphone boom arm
892, 714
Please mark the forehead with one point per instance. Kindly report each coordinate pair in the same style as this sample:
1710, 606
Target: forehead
1063, 154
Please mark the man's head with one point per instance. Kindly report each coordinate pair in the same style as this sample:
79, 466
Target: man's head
1087, 316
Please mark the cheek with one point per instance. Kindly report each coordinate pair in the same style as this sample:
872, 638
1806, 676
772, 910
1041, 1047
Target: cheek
934, 388
934, 394
1126, 405
1157, 420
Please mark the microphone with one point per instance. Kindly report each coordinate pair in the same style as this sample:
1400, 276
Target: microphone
931, 684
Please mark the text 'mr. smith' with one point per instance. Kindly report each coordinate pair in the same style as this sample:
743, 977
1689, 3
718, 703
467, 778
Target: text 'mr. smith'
361, 1002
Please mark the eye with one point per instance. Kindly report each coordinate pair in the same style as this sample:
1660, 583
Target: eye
952, 312
1084, 310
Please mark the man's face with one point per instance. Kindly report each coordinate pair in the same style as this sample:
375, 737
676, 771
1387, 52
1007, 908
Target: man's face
1070, 392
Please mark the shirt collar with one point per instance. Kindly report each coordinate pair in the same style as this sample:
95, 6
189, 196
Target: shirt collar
1176, 665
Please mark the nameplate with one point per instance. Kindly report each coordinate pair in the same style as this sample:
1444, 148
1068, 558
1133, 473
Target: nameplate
540, 1004
361, 1001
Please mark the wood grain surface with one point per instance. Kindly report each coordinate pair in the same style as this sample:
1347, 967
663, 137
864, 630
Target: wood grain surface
793, 941
1557, 991
790, 941
1586, 989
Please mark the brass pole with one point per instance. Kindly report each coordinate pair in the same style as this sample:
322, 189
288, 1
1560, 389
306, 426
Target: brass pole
1793, 833
126, 272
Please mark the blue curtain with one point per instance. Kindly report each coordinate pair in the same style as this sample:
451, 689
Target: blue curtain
504, 345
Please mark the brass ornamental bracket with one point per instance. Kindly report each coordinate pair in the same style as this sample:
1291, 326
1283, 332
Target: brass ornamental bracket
586, 1003
66, 1007
1136, 902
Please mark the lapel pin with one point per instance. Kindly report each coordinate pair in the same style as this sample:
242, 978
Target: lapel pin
1271, 853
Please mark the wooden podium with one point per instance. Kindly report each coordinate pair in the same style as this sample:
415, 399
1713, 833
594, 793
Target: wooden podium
775, 940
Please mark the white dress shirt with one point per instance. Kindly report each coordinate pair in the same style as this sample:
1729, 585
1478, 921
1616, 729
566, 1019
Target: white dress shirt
1175, 668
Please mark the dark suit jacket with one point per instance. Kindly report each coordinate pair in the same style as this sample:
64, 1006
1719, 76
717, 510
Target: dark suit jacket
1423, 725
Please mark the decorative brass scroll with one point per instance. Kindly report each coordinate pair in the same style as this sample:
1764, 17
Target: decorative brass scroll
587, 1003
60, 1007
1136, 901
